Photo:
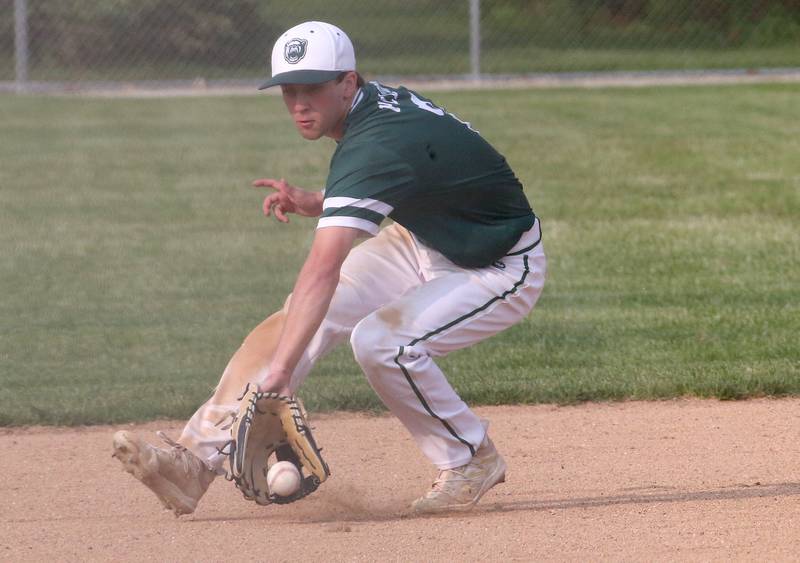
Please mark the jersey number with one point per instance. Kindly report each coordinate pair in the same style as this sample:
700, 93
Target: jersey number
431, 107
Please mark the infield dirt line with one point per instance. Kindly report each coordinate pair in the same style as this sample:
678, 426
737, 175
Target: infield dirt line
633, 79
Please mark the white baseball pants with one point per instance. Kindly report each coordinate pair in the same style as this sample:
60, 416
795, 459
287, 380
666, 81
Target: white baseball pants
401, 304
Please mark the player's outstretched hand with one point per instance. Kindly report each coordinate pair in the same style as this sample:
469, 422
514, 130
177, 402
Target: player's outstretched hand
289, 199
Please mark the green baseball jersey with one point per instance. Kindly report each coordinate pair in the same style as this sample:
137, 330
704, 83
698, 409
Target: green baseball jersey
405, 158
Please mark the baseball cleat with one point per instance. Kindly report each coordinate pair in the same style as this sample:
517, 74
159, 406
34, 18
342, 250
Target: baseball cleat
177, 477
462, 487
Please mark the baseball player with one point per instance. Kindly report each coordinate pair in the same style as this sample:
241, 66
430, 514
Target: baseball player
461, 261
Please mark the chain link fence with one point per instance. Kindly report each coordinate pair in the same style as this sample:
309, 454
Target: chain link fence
77, 42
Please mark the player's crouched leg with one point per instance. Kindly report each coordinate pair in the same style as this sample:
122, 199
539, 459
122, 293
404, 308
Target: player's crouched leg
450, 435
402, 372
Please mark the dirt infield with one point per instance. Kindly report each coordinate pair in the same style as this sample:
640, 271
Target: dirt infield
678, 480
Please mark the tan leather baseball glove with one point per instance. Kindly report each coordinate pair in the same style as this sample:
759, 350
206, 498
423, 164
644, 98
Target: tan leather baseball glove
269, 423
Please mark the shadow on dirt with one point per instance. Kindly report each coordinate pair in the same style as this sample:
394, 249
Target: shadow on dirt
354, 510
734, 492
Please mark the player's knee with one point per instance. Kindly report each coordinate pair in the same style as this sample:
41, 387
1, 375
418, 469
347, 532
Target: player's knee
372, 343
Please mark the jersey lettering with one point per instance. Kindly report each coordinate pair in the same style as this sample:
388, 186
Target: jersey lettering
431, 107
426, 105
387, 99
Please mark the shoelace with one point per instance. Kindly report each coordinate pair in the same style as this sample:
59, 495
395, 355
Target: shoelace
227, 420
448, 476
177, 451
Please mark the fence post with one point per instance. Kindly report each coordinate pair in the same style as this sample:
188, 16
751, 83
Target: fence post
475, 38
21, 44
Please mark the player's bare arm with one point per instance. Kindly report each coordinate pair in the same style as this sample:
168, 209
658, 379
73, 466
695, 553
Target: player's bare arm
310, 300
289, 199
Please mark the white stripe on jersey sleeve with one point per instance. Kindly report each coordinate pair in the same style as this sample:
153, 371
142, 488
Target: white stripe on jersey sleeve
354, 222
366, 203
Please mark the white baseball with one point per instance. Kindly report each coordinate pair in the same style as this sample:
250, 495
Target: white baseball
283, 478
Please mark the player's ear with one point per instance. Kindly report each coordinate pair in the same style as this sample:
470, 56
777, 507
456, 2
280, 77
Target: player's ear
350, 80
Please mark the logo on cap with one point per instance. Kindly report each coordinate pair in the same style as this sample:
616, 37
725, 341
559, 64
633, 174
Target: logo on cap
295, 50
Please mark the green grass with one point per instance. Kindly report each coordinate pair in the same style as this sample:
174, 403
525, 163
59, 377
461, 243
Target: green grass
135, 258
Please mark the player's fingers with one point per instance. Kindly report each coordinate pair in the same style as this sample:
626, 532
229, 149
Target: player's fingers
280, 215
269, 202
266, 183
270, 183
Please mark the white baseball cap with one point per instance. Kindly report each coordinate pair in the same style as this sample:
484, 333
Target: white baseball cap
310, 53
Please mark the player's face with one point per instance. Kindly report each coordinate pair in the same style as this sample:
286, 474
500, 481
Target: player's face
319, 110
